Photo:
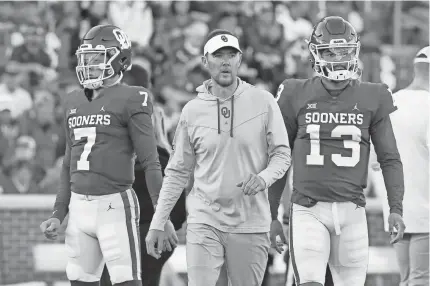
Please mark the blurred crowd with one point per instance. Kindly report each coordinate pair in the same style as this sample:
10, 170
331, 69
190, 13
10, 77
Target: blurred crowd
38, 41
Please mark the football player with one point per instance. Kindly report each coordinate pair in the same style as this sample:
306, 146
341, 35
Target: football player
331, 119
106, 124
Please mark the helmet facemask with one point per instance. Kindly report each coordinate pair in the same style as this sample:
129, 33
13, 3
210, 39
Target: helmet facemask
95, 65
343, 63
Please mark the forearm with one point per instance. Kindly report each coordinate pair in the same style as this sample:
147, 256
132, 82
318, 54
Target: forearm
154, 181
279, 162
275, 195
61, 206
279, 150
173, 186
177, 174
389, 159
178, 214
392, 171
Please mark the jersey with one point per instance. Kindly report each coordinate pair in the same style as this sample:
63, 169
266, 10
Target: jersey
102, 136
330, 136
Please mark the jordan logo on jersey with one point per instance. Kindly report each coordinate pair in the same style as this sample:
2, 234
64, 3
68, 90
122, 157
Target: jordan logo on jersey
102, 109
355, 107
110, 207
72, 111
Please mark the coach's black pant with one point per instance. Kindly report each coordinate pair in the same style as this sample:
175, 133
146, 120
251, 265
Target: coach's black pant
151, 267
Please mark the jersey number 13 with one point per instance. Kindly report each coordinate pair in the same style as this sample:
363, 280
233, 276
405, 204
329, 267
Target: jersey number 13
315, 157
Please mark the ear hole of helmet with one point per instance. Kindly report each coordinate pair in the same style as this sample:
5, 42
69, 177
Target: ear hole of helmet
122, 62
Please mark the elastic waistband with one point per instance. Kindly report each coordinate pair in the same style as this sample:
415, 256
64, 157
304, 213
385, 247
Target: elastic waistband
76, 196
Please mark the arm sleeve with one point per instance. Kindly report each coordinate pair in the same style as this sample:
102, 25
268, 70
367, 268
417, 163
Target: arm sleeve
177, 173
286, 199
288, 115
281, 188
275, 194
389, 159
278, 146
285, 101
139, 122
61, 205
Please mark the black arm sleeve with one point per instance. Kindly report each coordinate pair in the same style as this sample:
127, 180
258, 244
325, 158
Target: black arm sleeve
142, 135
61, 206
285, 102
275, 195
389, 158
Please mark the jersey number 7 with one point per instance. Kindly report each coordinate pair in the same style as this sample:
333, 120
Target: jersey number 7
90, 134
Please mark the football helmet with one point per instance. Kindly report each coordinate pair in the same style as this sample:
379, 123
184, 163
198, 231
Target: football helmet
334, 48
105, 51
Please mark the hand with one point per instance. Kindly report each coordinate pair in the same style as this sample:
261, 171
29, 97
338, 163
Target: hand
50, 228
275, 231
171, 239
155, 242
396, 221
252, 185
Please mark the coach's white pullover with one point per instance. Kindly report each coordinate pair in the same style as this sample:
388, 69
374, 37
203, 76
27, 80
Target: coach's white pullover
223, 141
412, 130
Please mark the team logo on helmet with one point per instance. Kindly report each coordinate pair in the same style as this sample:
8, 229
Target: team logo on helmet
224, 38
122, 38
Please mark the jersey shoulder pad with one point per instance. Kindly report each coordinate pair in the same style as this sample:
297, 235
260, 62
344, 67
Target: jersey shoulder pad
287, 87
385, 89
383, 92
73, 98
376, 87
287, 93
138, 100
385, 101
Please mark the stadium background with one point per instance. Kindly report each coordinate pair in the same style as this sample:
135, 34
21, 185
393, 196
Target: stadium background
37, 45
